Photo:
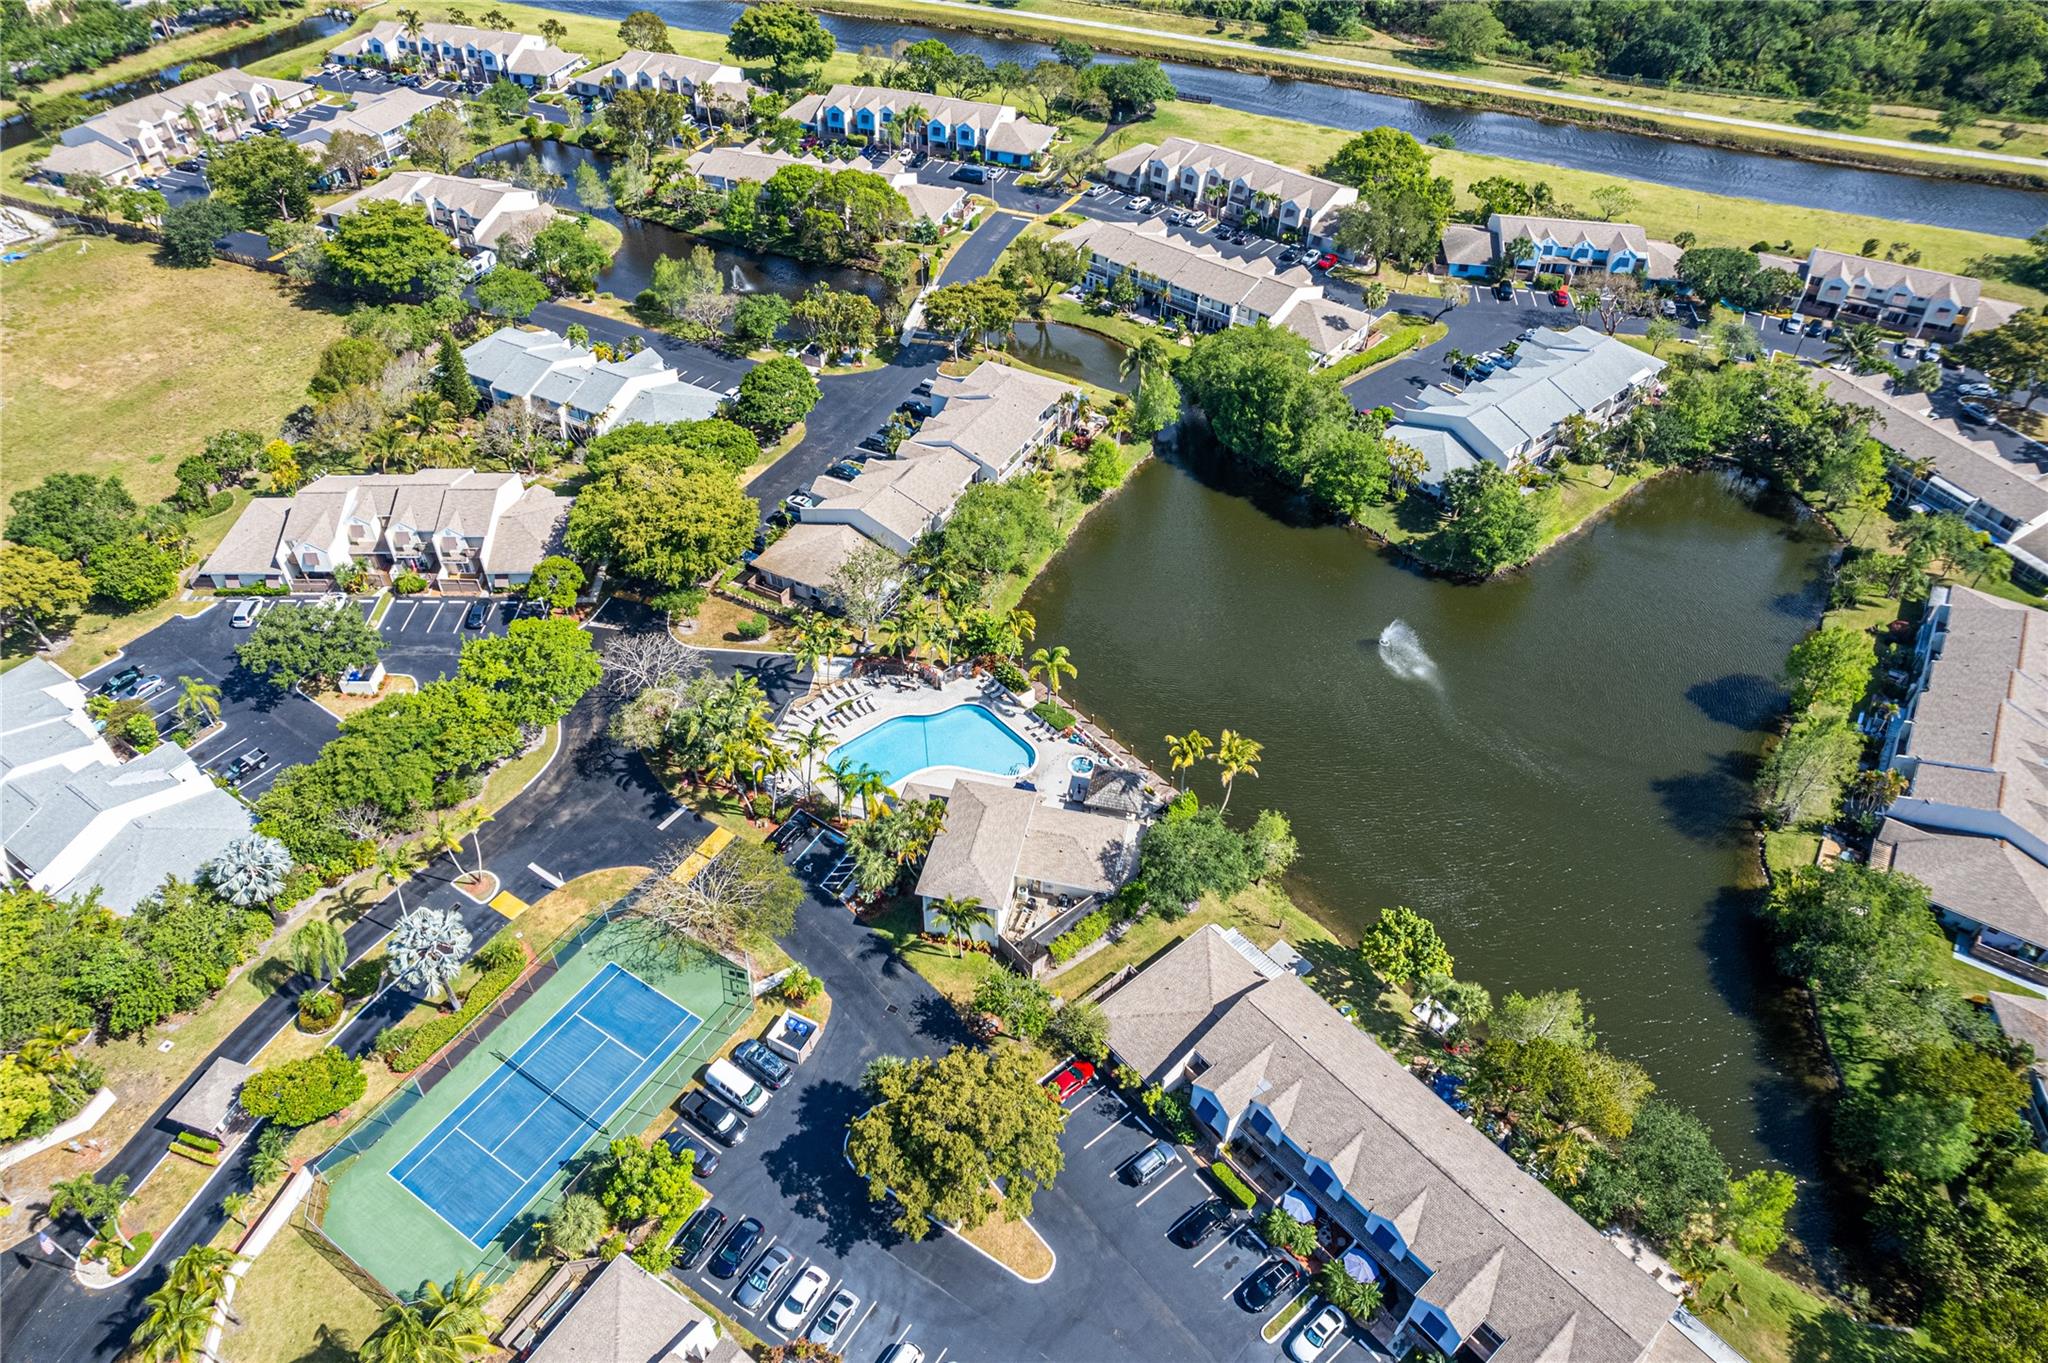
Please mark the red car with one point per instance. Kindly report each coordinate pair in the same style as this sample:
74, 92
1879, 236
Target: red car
1071, 1080
1563, 298
1326, 262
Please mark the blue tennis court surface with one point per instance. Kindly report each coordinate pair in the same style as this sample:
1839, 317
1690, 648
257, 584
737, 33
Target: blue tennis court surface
489, 1157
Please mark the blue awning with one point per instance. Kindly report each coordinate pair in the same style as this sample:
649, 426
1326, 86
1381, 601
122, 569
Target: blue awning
1297, 1205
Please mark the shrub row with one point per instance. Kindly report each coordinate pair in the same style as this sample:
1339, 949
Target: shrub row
1010, 676
199, 1142
1054, 713
1372, 355
1068, 944
1233, 1187
405, 1049
259, 590
196, 1156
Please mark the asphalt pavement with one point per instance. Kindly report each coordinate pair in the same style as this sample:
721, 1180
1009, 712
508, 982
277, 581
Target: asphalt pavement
703, 365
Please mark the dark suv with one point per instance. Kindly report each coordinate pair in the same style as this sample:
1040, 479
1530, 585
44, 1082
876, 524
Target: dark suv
694, 1240
1200, 1223
739, 1243
1275, 1278
713, 1118
764, 1064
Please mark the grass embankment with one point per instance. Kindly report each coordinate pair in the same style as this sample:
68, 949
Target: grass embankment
157, 57
118, 364
1421, 75
1412, 528
297, 1307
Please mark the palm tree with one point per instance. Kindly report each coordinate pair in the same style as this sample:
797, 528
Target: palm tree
1187, 749
1236, 755
267, 1162
1022, 621
175, 1329
236, 1205
958, 918
1858, 346
48, 1049
917, 118
203, 1271
427, 950
438, 1328
814, 742
461, 1302
97, 1204
870, 785
817, 637
198, 699
1049, 664
842, 781
1148, 356
395, 865
319, 949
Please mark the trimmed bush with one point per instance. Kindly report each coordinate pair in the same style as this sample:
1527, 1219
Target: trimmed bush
1054, 713
407, 1048
1068, 944
1234, 1188
198, 1142
318, 1010
406, 584
301, 1092
196, 1156
1010, 676
259, 590
751, 628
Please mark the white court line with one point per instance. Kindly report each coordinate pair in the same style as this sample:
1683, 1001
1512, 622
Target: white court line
1182, 1169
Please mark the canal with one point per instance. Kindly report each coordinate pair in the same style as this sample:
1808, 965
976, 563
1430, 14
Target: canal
1774, 179
1553, 767
646, 242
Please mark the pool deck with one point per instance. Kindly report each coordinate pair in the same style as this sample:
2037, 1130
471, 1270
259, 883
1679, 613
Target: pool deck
849, 709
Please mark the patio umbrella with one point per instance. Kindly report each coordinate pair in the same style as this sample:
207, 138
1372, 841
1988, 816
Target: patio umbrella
1359, 1266
1298, 1206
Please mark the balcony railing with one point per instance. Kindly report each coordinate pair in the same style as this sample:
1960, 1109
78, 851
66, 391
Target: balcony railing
2032, 971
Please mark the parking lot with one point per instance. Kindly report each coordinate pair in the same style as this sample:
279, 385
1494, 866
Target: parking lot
423, 635
1119, 1289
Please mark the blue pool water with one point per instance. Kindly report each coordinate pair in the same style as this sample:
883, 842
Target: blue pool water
964, 736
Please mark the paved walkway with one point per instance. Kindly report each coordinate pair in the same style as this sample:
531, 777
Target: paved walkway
1509, 87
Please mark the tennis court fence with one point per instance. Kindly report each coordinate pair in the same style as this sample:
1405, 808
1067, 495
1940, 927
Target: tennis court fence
520, 1237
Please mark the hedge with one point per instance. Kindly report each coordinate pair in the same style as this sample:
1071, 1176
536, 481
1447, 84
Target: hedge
198, 1142
1068, 944
1372, 355
1054, 713
196, 1156
258, 590
1010, 676
301, 1092
1233, 1187
407, 1048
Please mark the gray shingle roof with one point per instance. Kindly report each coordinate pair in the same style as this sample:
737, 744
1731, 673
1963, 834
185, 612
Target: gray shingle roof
625, 1314
2024, 1017
975, 855
207, 1104
1987, 880
1909, 426
1887, 274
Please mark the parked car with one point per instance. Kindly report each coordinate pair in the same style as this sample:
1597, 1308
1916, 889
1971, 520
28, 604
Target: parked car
804, 501
736, 1086
1326, 260
764, 1064
1670, 309
1505, 290
1790, 326
121, 681
1527, 336
1149, 1163
1202, 1221
1482, 369
679, 1139
1562, 297
1910, 349
803, 1294
1275, 1277
758, 1284
1314, 1335
1816, 328
739, 1243
903, 1352
1977, 390
1095, 191
479, 611
827, 1330
1976, 414
923, 389
695, 1239
973, 175
846, 469
713, 1118
1071, 1080
1140, 205
146, 688
248, 764
1461, 370
1932, 350
875, 444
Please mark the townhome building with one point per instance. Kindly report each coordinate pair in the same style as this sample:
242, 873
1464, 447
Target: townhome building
463, 52
75, 819
585, 396
961, 127
1935, 465
1972, 825
1930, 304
727, 168
997, 417
1475, 1258
462, 529
476, 213
2024, 1019
383, 118
1512, 420
700, 82
142, 136
1562, 246
1208, 290
1236, 186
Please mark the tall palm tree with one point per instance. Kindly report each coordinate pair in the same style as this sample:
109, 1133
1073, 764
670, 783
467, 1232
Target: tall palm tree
203, 1271
917, 118
959, 918
842, 774
175, 1329
235, 1206
461, 1302
1151, 354
397, 864
1187, 749
413, 24
1237, 756
198, 700
813, 742
1049, 664
97, 1204
319, 949
1022, 621
48, 1049
1859, 346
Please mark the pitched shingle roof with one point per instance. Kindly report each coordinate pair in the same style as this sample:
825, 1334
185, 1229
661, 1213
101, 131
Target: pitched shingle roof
1884, 275
1978, 468
1200, 269
1570, 233
975, 854
1260, 176
625, 1314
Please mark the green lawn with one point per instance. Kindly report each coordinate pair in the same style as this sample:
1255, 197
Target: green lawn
1769, 1318
115, 363
297, 1307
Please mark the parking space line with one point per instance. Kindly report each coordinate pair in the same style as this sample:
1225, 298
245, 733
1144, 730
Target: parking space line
258, 779
1116, 1125
846, 1345
1230, 1233
456, 628
1182, 1169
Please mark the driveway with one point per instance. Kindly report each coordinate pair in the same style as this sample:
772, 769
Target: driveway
976, 258
423, 635
255, 714
850, 406
1119, 1289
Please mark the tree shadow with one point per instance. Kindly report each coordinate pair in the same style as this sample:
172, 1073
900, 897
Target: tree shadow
329, 1346
1741, 700
1833, 1337
810, 1171
938, 1021
271, 974
1706, 806
1341, 975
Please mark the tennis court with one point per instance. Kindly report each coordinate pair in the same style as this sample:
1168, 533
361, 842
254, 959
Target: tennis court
489, 1157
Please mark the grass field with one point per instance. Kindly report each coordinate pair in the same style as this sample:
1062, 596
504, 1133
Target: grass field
117, 364
205, 42
273, 1301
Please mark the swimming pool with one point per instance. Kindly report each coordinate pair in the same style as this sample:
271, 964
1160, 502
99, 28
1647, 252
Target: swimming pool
964, 736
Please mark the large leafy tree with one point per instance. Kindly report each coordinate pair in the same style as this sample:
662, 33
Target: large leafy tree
1665, 1173
71, 514
510, 292
1494, 524
1803, 775
1830, 668
1132, 88
1263, 397
1403, 947
291, 644
191, 228
996, 528
39, 591
541, 668
774, 396
264, 178
132, 571
787, 39
387, 250
944, 1131
301, 1092
1180, 860
644, 31
669, 525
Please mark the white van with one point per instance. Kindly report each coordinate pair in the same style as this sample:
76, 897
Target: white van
736, 1086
